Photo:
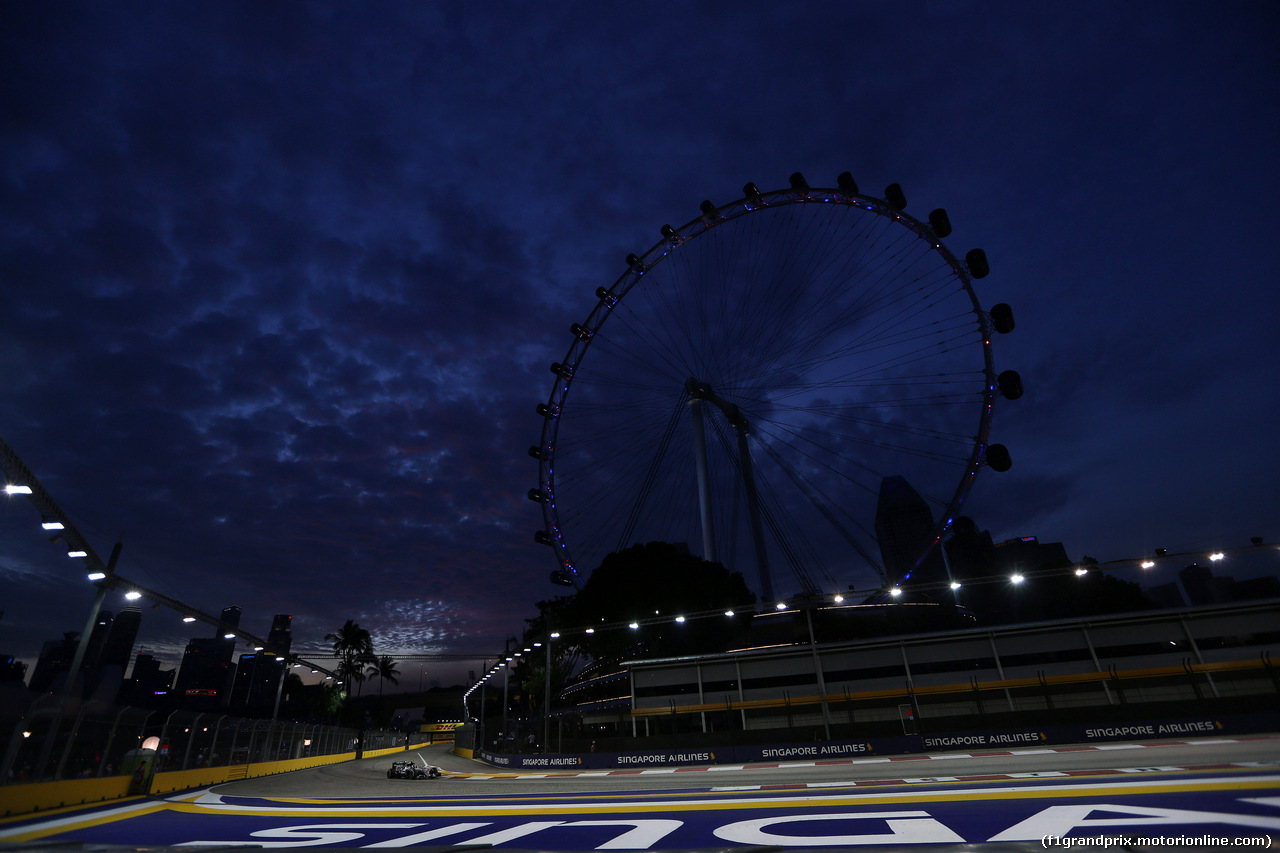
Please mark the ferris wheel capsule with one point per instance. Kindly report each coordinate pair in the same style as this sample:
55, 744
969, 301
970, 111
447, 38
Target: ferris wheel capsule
895, 196
1002, 318
792, 347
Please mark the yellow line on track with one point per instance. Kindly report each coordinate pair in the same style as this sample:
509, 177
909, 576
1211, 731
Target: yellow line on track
813, 800
71, 823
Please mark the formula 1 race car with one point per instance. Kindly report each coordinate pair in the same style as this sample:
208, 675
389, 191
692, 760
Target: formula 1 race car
412, 770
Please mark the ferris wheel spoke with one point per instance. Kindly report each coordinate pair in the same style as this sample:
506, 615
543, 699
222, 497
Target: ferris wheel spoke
831, 329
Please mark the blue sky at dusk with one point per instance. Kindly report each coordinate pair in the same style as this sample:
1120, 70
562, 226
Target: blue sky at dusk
280, 283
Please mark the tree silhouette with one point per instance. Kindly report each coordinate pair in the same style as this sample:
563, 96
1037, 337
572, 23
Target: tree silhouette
354, 648
384, 669
655, 579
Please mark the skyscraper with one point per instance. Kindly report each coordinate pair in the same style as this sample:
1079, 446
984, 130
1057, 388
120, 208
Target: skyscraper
118, 648
54, 661
904, 528
229, 620
280, 638
206, 676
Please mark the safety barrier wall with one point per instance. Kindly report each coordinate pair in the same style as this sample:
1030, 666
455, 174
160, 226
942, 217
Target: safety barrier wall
42, 796
1001, 739
92, 751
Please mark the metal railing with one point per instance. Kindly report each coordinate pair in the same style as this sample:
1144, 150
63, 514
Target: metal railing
94, 739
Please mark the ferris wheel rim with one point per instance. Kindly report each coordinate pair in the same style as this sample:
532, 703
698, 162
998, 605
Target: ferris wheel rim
714, 217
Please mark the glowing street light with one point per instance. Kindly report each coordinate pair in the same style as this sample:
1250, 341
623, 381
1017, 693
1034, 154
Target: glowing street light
1016, 578
1217, 555
1147, 564
15, 489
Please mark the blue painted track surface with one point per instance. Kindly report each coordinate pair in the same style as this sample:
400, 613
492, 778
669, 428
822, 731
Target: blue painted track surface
1209, 806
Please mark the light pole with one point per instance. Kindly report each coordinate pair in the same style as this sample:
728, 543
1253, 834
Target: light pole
546, 699
103, 584
506, 683
284, 670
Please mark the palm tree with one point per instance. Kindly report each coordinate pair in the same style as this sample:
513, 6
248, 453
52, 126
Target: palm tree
383, 669
354, 647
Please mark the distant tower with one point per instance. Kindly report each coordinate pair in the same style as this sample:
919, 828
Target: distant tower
970, 551
146, 682
229, 620
904, 528
207, 672
280, 639
97, 642
204, 680
118, 649
54, 661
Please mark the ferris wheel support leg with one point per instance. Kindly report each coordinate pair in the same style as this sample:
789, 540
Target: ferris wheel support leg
753, 512
704, 484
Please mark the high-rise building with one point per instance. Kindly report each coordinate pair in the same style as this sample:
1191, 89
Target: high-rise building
54, 661
1028, 554
147, 682
229, 620
204, 680
12, 669
118, 648
257, 679
258, 674
905, 529
280, 638
1203, 587
97, 641
207, 672
970, 551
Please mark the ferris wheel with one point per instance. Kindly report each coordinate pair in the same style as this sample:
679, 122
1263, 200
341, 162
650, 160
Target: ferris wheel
750, 383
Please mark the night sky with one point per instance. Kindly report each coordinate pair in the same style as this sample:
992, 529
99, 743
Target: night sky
280, 283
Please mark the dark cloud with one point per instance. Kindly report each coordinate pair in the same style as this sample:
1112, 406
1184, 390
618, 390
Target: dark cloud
279, 286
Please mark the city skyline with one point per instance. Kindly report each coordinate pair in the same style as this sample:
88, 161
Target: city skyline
281, 286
